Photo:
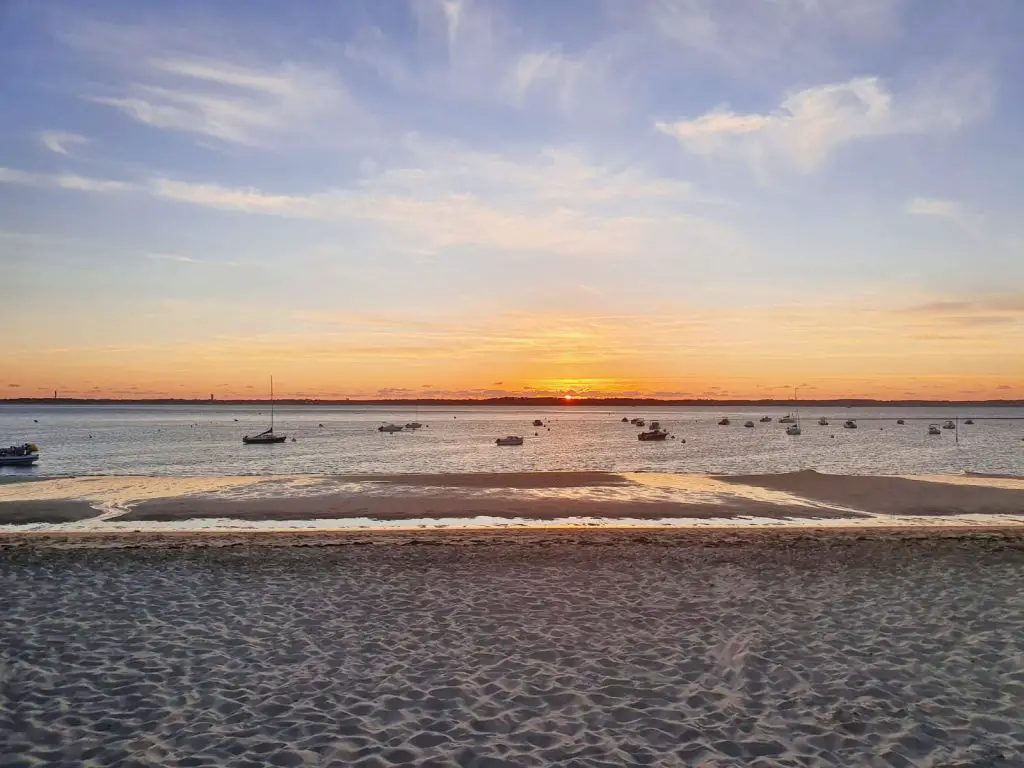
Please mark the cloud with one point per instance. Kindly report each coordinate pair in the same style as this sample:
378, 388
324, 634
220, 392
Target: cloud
63, 181
14, 386
810, 125
61, 142
195, 79
179, 259
228, 102
750, 40
1004, 386
473, 52
923, 206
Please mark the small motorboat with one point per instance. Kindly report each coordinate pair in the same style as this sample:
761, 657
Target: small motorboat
413, 425
948, 424
638, 422
652, 434
933, 429
23, 455
748, 424
766, 419
793, 429
510, 440
849, 424
390, 428
788, 419
538, 423
724, 422
901, 422
822, 422
969, 421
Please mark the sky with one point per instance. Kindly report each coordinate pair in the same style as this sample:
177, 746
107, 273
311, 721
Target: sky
472, 198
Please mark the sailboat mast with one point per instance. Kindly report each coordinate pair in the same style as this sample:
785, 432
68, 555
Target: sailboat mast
271, 403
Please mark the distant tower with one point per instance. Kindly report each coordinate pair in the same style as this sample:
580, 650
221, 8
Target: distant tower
55, 394
211, 398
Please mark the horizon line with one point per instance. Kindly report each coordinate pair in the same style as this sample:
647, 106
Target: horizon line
516, 400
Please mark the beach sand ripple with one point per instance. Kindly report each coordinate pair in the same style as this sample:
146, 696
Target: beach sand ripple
876, 653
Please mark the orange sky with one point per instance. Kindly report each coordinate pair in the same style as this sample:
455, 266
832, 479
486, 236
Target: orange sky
940, 350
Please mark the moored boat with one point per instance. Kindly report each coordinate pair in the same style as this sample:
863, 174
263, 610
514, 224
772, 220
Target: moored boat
510, 440
390, 428
766, 419
748, 424
788, 419
933, 429
538, 423
822, 422
724, 422
849, 424
948, 424
793, 429
413, 425
267, 436
19, 455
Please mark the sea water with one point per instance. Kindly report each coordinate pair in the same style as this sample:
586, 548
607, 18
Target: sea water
206, 439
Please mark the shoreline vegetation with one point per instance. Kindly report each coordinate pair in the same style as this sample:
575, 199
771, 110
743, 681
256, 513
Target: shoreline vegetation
575, 401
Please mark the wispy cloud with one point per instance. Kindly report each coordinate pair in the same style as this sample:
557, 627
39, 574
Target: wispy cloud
179, 259
929, 206
191, 80
811, 124
63, 181
750, 40
61, 142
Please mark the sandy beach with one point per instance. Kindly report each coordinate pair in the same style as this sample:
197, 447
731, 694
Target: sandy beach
517, 648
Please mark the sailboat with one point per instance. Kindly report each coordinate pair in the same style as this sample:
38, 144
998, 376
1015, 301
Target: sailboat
794, 428
267, 436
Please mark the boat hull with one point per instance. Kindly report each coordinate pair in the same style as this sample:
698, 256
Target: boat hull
264, 440
19, 461
648, 436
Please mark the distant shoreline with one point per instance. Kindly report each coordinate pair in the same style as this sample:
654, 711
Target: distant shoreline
605, 402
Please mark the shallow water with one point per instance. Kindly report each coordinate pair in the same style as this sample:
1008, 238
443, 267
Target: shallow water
518, 656
190, 440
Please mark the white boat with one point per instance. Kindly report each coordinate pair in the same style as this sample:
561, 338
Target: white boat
822, 422
390, 428
933, 429
23, 455
748, 424
792, 421
267, 436
849, 424
510, 440
948, 424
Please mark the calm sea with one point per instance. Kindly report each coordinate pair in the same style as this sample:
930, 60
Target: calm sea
206, 440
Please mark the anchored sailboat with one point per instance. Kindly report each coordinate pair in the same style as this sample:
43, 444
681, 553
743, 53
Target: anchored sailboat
794, 428
267, 436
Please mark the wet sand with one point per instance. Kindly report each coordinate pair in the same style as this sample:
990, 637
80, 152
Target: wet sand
896, 495
539, 496
517, 648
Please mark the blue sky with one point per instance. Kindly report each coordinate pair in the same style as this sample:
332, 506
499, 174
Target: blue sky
679, 196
